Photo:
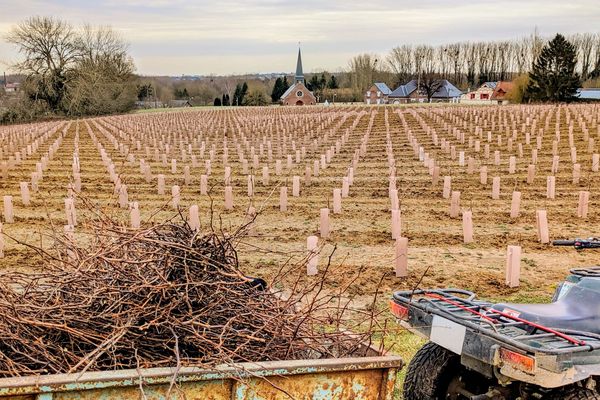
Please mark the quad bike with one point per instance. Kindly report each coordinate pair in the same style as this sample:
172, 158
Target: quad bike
480, 350
579, 244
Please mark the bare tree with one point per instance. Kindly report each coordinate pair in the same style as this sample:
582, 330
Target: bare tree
401, 63
102, 82
363, 71
429, 84
75, 72
50, 51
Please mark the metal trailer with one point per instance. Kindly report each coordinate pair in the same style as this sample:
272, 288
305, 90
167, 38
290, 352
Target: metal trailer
363, 378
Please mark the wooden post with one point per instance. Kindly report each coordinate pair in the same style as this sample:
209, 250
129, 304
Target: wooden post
175, 196
70, 212
9, 217
265, 176
307, 176
555, 163
123, 196
203, 184
447, 187
541, 218
515, 204
1, 242
496, 188
313, 259
228, 198
576, 173
512, 164
467, 226
435, 176
530, 173
595, 161
227, 176
296, 186
345, 187
324, 223
455, 204
250, 221
337, 201
186, 175
134, 215
25, 199
161, 184
194, 217
483, 175
395, 205
250, 185
551, 187
401, 261
283, 199
396, 224
513, 266
173, 166
582, 207
77, 182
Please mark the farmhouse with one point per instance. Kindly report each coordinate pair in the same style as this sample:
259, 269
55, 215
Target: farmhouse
502, 89
378, 94
483, 94
409, 93
488, 93
298, 94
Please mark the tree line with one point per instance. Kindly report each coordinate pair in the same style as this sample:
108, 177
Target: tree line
469, 64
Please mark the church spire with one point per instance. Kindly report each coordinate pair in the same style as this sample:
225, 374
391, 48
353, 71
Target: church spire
299, 74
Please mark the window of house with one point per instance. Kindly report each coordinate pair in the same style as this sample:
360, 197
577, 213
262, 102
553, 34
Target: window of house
378, 93
368, 93
485, 96
299, 93
472, 95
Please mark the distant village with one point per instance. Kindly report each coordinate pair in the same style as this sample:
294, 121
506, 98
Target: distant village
300, 93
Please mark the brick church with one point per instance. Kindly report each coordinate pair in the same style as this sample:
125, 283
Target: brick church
298, 94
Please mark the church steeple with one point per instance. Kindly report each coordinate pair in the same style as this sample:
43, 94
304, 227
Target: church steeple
299, 78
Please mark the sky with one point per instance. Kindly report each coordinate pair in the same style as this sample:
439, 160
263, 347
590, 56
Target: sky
176, 37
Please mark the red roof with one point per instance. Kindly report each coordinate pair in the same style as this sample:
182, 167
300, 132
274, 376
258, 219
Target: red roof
502, 87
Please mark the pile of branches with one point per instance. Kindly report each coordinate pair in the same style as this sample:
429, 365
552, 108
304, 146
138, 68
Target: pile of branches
161, 296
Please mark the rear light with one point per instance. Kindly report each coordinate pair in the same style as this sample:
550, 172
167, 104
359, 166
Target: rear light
517, 360
399, 311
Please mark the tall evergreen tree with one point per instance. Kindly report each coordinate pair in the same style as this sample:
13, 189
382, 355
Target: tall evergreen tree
276, 93
553, 77
236, 95
217, 102
313, 84
243, 92
322, 82
333, 83
226, 102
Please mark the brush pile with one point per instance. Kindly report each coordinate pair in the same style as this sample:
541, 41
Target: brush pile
161, 296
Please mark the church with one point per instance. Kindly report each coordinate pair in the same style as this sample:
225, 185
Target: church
298, 94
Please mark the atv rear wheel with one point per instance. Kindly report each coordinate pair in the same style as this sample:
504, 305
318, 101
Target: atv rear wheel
436, 373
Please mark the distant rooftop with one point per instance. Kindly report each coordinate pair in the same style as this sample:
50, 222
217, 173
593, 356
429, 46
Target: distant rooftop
383, 88
588, 93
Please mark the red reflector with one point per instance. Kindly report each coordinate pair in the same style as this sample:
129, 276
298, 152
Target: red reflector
399, 311
517, 360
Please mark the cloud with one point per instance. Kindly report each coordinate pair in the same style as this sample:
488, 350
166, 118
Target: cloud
180, 36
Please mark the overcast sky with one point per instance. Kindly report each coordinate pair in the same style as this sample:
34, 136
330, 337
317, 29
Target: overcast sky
174, 37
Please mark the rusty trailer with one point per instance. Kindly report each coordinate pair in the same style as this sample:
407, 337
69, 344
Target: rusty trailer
362, 378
